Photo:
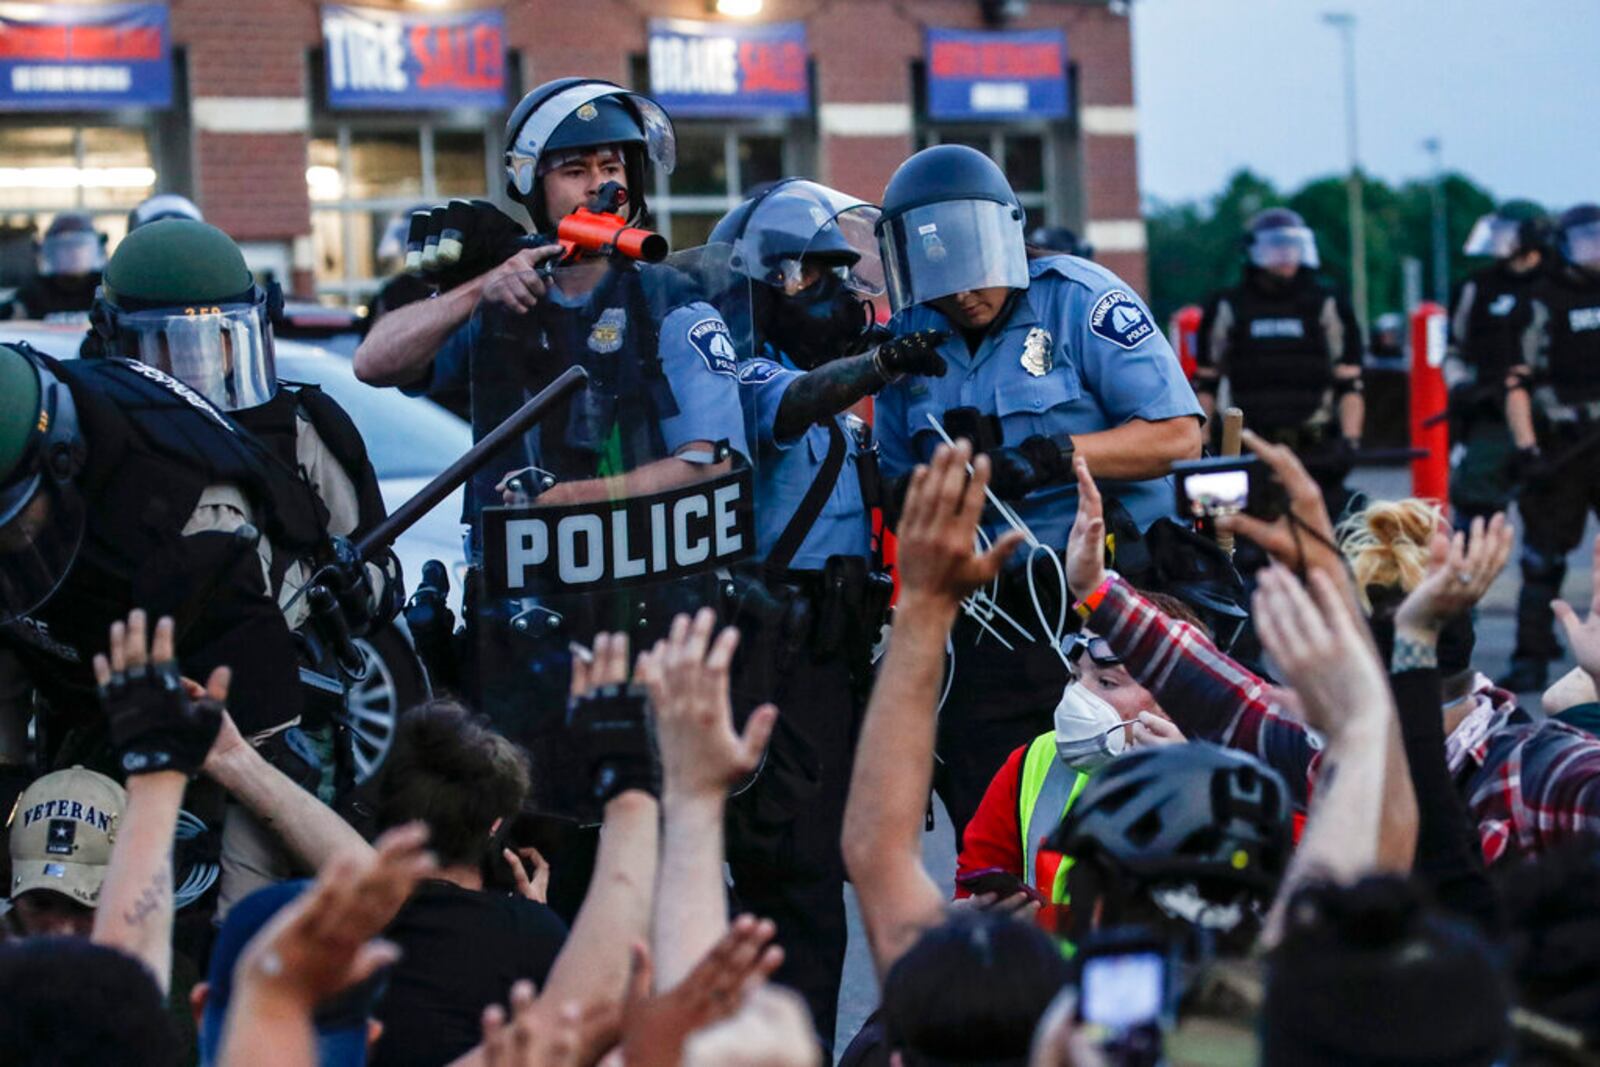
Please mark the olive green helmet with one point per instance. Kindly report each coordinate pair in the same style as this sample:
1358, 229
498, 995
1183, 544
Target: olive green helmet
178, 295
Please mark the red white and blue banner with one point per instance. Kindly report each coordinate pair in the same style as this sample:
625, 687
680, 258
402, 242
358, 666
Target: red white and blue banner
414, 60
727, 70
979, 74
69, 57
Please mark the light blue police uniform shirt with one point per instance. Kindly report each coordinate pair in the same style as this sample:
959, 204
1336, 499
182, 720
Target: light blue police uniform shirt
1103, 362
697, 355
785, 471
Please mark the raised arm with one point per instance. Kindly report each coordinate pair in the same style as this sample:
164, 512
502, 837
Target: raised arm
831, 388
593, 964
701, 759
939, 567
159, 737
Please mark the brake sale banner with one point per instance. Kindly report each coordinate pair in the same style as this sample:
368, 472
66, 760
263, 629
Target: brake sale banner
413, 60
727, 70
986, 74
60, 57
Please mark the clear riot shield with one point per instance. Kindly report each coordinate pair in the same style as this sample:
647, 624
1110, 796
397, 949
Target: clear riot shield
627, 505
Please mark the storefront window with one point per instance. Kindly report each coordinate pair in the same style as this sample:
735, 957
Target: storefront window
360, 177
1024, 154
101, 170
718, 165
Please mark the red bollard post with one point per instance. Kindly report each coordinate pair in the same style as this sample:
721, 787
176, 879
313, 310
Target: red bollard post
1183, 332
1430, 474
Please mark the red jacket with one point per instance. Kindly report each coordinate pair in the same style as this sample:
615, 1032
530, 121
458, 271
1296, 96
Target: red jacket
994, 836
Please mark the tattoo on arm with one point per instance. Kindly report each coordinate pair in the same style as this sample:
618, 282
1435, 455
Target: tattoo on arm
152, 898
1412, 655
823, 393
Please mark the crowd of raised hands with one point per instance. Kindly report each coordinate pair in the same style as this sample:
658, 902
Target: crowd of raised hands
653, 972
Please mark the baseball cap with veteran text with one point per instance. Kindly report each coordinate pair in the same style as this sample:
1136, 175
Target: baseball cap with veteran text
62, 830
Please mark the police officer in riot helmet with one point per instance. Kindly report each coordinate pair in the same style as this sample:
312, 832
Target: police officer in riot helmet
1290, 349
1060, 239
179, 297
805, 272
1553, 410
1051, 357
163, 206
1488, 313
120, 488
71, 257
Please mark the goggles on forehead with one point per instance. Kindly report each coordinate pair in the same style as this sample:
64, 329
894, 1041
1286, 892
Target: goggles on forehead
1098, 649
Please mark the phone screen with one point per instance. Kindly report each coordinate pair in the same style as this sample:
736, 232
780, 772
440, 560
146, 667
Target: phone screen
1123, 991
1217, 492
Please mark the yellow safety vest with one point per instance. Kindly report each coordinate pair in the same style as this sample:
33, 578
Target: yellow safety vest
1049, 788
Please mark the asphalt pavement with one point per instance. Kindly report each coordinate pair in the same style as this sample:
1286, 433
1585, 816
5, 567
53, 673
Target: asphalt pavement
1495, 630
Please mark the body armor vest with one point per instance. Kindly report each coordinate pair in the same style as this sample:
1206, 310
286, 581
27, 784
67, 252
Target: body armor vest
1573, 354
1279, 361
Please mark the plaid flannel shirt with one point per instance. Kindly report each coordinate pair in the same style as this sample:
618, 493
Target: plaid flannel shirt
1209, 696
1529, 785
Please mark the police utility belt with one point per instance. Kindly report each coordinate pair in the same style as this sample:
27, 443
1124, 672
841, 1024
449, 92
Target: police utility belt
833, 610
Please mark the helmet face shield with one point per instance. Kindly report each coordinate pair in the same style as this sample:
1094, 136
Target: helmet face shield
1284, 247
800, 231
1493, 236
522, 159
853, 229
1581, 245
952, 246
71, 254
224, 353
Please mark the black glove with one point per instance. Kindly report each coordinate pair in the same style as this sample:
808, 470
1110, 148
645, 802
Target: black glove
348, 578
154, 725
1533, 469
460, 240
915, 353
1036, 462
615, 744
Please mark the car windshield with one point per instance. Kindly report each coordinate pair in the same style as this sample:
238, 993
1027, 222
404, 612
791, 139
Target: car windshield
406, 437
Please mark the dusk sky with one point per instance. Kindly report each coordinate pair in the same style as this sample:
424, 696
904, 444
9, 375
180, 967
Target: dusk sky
1511, 87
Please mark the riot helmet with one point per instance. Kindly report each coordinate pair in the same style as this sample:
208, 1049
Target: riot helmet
1195, 832
1517, 226
566, 116
1578, 234
163, 206
950, 224
178, 296
1060, 239
42, 515
1278, 238
812, 253
72, 248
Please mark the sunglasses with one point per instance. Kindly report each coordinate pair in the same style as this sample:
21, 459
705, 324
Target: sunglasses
1098, 649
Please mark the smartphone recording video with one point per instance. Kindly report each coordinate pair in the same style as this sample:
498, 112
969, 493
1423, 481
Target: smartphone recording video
1227, 485
1217, 493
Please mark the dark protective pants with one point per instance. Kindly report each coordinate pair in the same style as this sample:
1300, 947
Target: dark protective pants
1480, 481
1553, 518
999, 701
784, 831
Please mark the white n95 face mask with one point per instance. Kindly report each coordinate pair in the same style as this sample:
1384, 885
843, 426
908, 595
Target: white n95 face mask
1089, 732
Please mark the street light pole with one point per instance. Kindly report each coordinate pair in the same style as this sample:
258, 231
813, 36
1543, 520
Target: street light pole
1441, 250
1345, 23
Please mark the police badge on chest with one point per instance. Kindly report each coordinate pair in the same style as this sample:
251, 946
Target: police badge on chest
1038, 352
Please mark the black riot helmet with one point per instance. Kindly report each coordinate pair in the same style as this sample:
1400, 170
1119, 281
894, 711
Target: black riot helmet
1060, 239
1197, 832
571, 114
950, 224
1515, 227
72, 247
811, 252
1578, 237
1278, 237
42, 516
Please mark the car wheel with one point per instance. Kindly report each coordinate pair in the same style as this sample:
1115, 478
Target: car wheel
395, 681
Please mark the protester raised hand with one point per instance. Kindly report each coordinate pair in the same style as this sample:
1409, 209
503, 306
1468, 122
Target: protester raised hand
327, 940
1302, 539
1461, 567
655, 1027
687, 677
1584, 635
535, 887
938, 562
531, 1034
156, 724
1086, 544
1323, 649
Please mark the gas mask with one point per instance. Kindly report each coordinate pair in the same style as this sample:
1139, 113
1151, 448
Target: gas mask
819, 323
1089, 732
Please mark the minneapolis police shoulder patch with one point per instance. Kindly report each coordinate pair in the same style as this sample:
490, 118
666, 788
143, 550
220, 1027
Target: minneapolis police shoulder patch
1119, 319
711, 339
759, 372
